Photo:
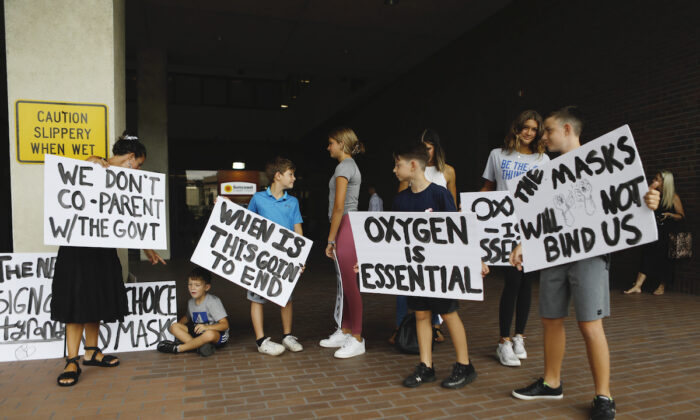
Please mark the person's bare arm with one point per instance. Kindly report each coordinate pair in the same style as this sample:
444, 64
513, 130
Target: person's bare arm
488, 186
451, 178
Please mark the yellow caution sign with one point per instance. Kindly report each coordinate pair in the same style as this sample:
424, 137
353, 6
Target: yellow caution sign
73, 130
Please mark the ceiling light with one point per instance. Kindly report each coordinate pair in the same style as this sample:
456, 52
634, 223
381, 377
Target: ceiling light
238, 165
284, 106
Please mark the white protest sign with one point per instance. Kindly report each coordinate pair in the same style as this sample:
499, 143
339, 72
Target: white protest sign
338, 311
252, 252
495, 215
88, 205
152, 309
26, 329
28, 333
585, 203
418, 254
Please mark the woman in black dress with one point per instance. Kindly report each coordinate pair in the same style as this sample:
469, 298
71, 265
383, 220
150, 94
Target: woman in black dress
655, 261
88, 286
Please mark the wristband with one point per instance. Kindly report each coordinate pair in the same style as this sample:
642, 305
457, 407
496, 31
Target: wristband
331, 242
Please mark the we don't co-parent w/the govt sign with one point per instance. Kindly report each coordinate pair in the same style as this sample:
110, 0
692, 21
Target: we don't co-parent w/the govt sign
418, 254
88, 205
584, 203
252, 252
27, 331
495, 212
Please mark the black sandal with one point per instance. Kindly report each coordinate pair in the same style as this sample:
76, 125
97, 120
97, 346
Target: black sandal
105, 362
70, 375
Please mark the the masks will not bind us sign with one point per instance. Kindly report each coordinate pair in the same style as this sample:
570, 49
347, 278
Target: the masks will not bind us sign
585, 203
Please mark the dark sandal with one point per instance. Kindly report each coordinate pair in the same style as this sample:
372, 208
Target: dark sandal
105, 362
438, 337
70, 375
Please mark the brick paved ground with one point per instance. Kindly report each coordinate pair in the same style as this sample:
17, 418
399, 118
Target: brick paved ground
655, 345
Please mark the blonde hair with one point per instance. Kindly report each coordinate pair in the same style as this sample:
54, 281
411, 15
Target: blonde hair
347, 137
511, 142
669, 189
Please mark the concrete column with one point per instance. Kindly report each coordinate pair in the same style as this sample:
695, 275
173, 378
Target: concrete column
67, 51
152, 87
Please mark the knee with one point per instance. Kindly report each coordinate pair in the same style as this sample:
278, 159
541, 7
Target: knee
174, 327
550, 323
591, 329
211, 336
422, 316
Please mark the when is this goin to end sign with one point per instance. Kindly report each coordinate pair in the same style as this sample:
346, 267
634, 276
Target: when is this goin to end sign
252, 251
418, 254
88, 205
585, 203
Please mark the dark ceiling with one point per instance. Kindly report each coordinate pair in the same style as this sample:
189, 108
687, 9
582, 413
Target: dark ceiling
347, 48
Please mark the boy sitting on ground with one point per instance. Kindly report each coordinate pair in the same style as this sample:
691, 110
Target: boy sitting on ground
205, 326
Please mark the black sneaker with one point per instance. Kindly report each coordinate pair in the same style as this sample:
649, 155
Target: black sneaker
603, 408
422, 374
167, 346
206, 350
539, 390
461, 375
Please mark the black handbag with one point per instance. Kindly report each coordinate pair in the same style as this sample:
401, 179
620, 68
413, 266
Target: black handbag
406, 337
680, 245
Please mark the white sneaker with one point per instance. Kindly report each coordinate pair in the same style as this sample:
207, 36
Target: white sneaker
505, 354
351, 348
270, 347
291, 343
337, 339
519, 347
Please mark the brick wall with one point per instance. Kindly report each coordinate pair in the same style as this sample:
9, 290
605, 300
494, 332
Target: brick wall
622, 62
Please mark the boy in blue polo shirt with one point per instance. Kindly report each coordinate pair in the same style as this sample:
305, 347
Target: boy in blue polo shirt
276, 205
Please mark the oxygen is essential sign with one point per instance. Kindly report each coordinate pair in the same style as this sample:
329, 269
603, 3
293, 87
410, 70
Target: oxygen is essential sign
74, 130
418, 254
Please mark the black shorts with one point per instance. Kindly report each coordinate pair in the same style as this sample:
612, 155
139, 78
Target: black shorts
434, 305
190, 331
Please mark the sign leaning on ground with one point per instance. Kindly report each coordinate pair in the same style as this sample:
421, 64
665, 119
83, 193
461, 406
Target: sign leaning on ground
88, 205
252, 251
584, 203
75, 130
27, 331
418, 254
498, 226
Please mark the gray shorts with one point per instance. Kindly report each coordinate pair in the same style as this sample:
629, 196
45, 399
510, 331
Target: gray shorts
587, 281
254, 297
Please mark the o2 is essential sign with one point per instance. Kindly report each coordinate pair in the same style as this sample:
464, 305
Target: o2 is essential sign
27, 331
74, 130
88, 205
418, 254
584, 203
252, 251
495, 213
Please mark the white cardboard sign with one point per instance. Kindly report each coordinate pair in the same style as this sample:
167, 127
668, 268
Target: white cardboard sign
495, 215
88, 205
418, 254
28, 333
584, 203
252, 251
